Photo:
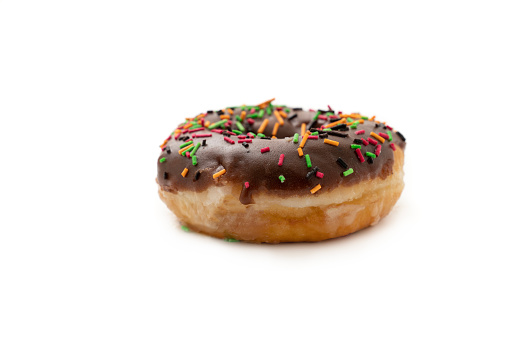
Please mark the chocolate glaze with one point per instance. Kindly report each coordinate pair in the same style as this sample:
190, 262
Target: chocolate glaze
261, 170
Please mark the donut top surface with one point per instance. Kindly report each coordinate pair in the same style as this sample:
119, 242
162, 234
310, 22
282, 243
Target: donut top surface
282, 150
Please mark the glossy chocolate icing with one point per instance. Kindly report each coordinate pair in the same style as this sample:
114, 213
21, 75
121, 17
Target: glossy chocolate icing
261, 170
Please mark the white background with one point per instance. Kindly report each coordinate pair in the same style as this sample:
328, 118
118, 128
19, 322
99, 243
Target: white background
89, 89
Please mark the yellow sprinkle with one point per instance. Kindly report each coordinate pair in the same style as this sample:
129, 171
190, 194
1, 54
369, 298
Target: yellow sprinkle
304, 139
278, 117
218, 174
331, 142
300, 152
315, 189
377, 137
302, 129
263, 125
274, 130
184, 172
185, 149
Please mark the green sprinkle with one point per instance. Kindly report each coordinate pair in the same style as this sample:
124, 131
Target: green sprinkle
253, 115
185, 228
316, 116
365, 118
260, 114
237, 117
296, 138
260, 135
354, 146
390, 135
186, 144
287, 110
282, 178
348, 172
349, 119
162, 160
308, 161
327, 129
269, 110
239, 125
230, 240
195, 160
217, 124
369, 154
314, 133
354, 125
236, 132
195, 148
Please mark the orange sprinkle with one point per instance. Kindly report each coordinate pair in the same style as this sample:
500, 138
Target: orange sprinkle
302, 129
300, 152
230, 110
242, 115
283, 114
274, 137
304, 139
331, 142
218, 174
361, 121
316, 189
163, 144
335, 123
377, 137
372, 118
184, 172
278, 117
265, 103
198, 117
308, 132
263, 125
207, 123
185, 149
187, 125
224, 116
274, 130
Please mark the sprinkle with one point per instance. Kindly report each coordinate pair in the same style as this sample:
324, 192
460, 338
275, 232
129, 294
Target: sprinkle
265, 103
202, 135
235, 132
279, 119
359, 155
245, 144
187, 154
195, 149
300, 152
217, 124
369, 154
181, 152
354, 125
220, 131
357, 141
319, 174
313, 137
168, 150
322, 117
316, 189
378, 150
265, 149
184, 228
283, 114
296, 138
354, 146
341, 163
302, 129
163, 159
218, 174
303, 142
390, 135
250, 121
393, 146
187, 143
281, 158
239, 126
372, 141
204, 143
331, 142
184, 172
293, 116
377, 137
246, 184
401, 136
197, 175
348, 172
360, 132
242, 115
196, 130
260, 114
195, 160
308, 161
274, 130
229, 140
282, 178
251, 135
337, 134
383, 135
245, 140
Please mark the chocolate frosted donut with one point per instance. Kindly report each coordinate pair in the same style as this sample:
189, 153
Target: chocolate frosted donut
271, 173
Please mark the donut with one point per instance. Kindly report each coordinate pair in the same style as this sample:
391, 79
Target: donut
271, 173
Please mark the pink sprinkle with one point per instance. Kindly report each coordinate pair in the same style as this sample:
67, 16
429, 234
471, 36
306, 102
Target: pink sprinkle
252, 110
215, 130
319, 175
246, 184
389, 127
372, 141
229, 140
230, 133
360, 132
281, 158
265, 149
393, 146
312, 110
201, 135
330, 109
241, 136
383, 135
227, 124
188, 154
185, 131
196, 130
359, 154
365, 142
202, 122
322, 117
250, 121
177, 136
251, 136
314, 137
245, 140
378, 150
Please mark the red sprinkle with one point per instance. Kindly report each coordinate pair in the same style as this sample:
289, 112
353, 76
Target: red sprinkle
185, 131
241, 136
176, 136
389, 127
201, 135
231, 133
188, 154
393, 146
265, 149
383, 135
319, 175
365, 142
229, 140
250, 121
378, 150
245, 140
330, 109
281, 158
215, 130
372, 141
313, 137
246, 184
196, 130
322, 117
360, 132
359, 154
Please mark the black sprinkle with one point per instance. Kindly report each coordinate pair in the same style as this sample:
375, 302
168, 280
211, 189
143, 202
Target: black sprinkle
377, 125
165, 176
297, 109
370, 160
219, 113
293, 116
334, 119
385, 127
245, 144
204, 142
310, 174
344, 129
314, 130
338, 126
210, 112
266, 138
382, 125
184, 138
342, 163
401, 136
197, 175
337, 134
226, 134
322, 135
316, 169
310, 125
357, 141
168, 150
